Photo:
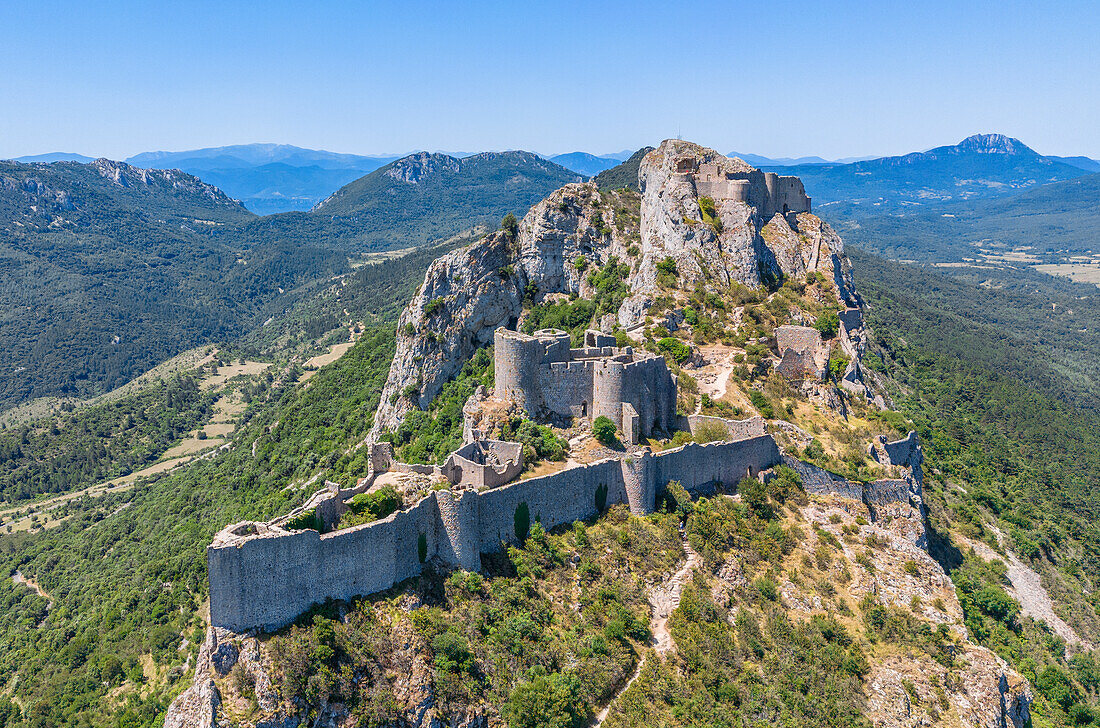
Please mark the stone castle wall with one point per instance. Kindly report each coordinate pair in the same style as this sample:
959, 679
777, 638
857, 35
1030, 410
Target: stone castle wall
769, 192
546, 378
264, 577
735, 429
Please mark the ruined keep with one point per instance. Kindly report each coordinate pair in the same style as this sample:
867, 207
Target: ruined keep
767, 191
803, 353
542, 374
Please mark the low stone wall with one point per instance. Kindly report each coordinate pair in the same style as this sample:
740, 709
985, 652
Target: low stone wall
735, 429
263, 576
883, 492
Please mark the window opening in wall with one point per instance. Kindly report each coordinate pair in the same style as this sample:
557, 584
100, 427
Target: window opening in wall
786, 208
584, 409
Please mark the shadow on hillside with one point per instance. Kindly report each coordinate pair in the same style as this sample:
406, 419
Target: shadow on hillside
946, 554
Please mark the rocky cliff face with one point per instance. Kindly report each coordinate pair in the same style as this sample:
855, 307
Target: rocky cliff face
469, 292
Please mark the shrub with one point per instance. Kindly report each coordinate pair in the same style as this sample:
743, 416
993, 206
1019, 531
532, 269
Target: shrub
675, 348
510, 226
767, 588
554, 701
541, 439
432, 307
306, 521
604, 430
580, 263
452, 652
828, 323
710, 213
761, 403
376, 504
710, 432
667, 273
837, 365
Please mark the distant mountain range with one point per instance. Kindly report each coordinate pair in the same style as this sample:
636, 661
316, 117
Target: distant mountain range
268, 178
107, 269
761, 161
584, 163
983, 165
54, 157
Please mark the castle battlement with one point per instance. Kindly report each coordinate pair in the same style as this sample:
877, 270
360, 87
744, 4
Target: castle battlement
263, 575
550, 380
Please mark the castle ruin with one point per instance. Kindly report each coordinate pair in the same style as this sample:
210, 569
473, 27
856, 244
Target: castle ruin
768, 192
550, 380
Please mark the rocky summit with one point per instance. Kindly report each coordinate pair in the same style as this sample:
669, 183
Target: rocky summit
715, 220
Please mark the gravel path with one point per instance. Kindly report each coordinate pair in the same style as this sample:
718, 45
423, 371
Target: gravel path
663, 600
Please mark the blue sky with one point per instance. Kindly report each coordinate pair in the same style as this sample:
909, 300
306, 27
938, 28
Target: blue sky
777, 78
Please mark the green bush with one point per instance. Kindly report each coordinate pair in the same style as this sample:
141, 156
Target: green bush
580, 263
432, 307
369, 507
510, 226
675, 348
547, 701
541, 440
828, 323
667, 273
306, 521
762, 404
604, 430
710, 213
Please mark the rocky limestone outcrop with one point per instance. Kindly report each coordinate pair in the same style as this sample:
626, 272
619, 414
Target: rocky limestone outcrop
745, 241
469, 292
904, 688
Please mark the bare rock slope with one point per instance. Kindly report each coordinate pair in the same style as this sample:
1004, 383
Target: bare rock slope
720, 220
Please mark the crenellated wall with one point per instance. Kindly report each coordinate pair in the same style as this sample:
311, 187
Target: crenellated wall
263, 576
547, 378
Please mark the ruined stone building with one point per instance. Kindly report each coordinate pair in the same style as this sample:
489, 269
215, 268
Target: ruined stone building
766, 191
552, 381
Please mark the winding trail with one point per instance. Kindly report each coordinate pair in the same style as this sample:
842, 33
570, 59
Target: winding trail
663, 600
31, 584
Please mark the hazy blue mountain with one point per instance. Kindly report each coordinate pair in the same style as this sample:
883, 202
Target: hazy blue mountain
259, 154
54, 157
584, 163
618, 156
268, 178
760, 161
1085, 163
984, 165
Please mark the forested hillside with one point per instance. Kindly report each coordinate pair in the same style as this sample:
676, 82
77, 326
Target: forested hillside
1052, 221
106, 270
